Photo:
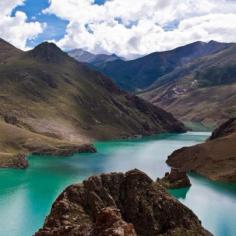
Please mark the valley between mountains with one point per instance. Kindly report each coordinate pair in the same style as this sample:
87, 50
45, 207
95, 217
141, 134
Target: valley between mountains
52, 104
55, 104
195, 82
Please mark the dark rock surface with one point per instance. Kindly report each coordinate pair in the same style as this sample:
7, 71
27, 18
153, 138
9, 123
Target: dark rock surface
11, 120
65, 150
175, 179
19, 161
119, 204
15, 161
226, 128
109, 222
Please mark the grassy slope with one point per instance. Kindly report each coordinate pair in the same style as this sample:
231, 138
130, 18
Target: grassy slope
203, 91
47, 93
15, 142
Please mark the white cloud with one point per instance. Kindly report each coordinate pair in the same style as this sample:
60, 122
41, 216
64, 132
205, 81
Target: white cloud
15, 29
131, 27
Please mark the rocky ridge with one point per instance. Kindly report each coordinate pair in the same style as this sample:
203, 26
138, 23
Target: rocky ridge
119, 204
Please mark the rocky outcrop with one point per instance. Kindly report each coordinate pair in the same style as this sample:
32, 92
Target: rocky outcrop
175, 179
119, 204
13, 161
109, 222
215, 159
67, 150
20, 162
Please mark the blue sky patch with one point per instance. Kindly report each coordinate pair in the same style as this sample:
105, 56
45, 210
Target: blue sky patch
56, 27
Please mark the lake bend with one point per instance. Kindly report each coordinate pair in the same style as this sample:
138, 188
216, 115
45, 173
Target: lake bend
26, 196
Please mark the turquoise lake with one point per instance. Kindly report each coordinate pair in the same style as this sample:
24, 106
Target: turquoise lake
26, 196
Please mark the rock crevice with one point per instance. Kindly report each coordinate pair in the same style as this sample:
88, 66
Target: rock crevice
122, 205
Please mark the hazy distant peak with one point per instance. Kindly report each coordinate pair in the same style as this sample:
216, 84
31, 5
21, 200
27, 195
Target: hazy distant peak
88, 57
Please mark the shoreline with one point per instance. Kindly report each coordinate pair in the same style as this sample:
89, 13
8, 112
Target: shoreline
19, 161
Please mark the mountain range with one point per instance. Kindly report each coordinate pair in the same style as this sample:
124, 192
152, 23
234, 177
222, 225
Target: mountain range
51, 103
202, 91
95, 60
195, 82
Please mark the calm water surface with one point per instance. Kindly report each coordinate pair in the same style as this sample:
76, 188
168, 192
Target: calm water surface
26, 195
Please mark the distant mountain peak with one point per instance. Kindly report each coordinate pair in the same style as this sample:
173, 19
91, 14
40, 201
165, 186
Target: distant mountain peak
84, 56
48, 52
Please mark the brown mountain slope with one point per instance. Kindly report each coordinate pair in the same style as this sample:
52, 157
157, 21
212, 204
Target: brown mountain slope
202, 91
215, 159
47, 93
7, 51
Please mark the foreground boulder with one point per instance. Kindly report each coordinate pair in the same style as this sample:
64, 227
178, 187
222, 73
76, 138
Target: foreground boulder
122, 205
175, 179
215, 159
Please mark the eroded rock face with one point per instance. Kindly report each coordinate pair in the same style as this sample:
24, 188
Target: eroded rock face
109, 222
175, 179
119, 204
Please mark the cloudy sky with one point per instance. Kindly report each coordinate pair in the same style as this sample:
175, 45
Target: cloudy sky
125, 27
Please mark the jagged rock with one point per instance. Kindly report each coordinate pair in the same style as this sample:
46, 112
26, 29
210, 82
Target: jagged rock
83, 209
175, 179
109, 222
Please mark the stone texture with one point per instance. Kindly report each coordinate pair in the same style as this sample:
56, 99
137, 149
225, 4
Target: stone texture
175, 179
109, 222
119, 204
